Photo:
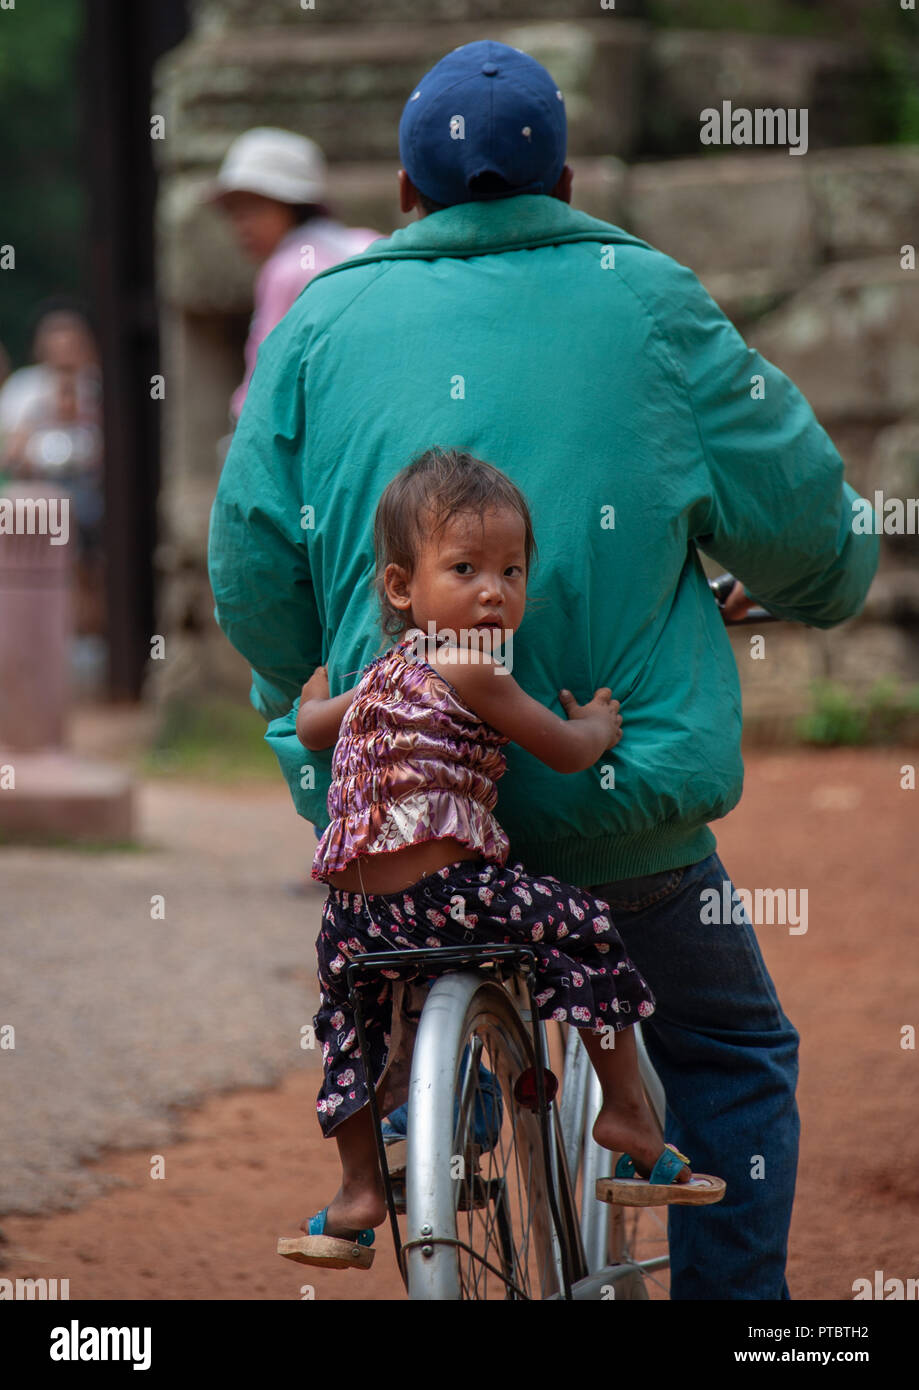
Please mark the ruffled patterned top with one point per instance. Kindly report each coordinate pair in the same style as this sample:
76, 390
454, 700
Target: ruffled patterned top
412, 763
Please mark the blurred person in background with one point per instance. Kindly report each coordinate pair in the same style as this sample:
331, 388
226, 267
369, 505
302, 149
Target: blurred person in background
51, 423
272, 187
62, 339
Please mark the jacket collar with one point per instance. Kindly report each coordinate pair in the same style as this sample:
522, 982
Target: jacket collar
482, 228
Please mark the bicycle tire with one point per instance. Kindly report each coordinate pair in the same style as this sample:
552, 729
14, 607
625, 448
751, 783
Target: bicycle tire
478, 1220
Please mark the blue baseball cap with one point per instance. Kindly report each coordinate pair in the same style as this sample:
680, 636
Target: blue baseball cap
485, 108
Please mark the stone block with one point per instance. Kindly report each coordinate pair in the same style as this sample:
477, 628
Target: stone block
745, 296
690, 70
856, 653
599, 188
779, 681
850, 341
347, 89
199, 265
866, 200
743, 213
219, 15
894, 472
203, 363
862, 653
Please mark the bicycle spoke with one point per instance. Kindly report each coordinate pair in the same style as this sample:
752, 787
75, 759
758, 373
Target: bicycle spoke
646, 1239
502, 1231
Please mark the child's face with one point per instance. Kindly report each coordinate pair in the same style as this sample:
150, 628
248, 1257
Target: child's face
471, 574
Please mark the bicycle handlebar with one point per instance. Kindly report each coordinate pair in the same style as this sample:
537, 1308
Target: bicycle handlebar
721, 588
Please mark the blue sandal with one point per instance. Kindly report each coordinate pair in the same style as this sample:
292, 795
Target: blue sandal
334, 1252
487, 1114
661, 1188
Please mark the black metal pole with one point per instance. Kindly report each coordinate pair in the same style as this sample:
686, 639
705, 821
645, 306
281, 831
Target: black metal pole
120, 46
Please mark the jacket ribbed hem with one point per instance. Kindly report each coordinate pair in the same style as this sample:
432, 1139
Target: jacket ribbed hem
584, 863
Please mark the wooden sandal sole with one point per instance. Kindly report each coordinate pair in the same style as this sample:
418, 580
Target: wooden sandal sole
330, 1251
701, 1190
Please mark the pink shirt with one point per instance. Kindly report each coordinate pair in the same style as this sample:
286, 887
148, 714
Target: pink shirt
412, 763
282, 277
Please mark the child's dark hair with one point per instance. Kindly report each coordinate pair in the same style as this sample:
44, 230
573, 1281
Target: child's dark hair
419, 502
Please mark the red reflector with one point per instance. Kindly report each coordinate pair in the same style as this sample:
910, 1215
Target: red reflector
525, 1092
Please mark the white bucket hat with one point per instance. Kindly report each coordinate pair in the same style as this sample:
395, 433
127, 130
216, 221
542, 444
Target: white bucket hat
275, 163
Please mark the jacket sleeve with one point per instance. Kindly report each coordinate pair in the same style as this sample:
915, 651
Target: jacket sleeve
257, 555
778, 512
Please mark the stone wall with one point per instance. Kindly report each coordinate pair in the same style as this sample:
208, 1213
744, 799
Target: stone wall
803, 253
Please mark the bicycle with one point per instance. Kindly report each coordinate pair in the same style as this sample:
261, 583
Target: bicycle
490, 1173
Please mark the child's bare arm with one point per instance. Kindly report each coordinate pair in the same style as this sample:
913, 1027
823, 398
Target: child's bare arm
319, 717
565, 745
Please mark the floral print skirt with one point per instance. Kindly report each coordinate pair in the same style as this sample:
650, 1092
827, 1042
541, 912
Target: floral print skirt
584, 976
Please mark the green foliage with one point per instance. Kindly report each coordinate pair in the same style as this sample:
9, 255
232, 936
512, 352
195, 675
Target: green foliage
219, 740
896, 89
44, 211
752, 17
886, 713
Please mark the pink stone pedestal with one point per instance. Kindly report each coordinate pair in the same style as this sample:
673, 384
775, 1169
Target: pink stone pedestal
46, 792
59, 796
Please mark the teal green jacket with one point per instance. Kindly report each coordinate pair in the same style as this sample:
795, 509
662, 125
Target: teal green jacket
599, 375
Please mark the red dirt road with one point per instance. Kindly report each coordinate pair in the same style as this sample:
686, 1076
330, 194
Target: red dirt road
253, 1163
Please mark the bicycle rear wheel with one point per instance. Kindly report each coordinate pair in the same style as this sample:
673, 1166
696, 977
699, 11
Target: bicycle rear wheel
479, 1222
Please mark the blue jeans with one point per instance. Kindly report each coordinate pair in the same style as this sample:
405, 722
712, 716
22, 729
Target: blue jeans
728, 1059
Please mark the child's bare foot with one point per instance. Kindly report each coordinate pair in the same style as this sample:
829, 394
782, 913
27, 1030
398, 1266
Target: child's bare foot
633, 1130
352, 1211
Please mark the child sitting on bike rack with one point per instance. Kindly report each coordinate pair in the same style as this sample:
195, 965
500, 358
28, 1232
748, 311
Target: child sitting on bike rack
413, 855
